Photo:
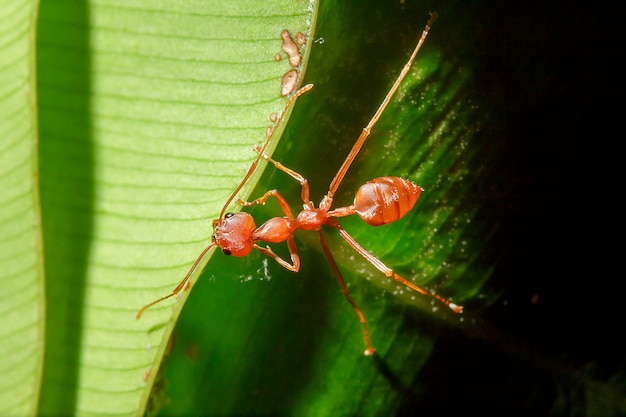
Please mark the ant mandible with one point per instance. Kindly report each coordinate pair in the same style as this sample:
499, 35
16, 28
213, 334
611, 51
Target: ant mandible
380, 201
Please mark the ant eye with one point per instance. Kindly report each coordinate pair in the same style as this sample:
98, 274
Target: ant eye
229, 214
226, 252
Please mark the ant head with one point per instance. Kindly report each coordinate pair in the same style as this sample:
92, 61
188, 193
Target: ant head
233, 233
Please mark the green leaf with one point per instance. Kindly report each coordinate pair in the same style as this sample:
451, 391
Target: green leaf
148, 112
21, 278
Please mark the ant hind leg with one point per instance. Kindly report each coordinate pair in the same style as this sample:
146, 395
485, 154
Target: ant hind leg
369, 349
378, 264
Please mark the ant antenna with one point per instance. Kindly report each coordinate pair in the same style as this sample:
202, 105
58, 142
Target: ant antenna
179, 286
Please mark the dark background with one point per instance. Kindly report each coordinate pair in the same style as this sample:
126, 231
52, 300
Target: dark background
551, 66
550, 70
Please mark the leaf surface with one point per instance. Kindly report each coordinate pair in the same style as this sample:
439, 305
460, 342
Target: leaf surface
21, 277
148, 115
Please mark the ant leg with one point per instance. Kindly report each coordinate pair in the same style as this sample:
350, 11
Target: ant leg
284, 206
328, 198
294, 266
389, 272
291, 243
344, 289
293, 174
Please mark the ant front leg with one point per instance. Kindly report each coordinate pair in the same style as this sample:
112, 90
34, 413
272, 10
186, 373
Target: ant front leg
284, 206
276, 230
293, 174
294, 266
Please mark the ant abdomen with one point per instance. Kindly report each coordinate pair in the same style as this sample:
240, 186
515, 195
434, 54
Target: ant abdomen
386, 199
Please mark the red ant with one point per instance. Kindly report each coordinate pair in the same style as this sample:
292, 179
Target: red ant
380, 201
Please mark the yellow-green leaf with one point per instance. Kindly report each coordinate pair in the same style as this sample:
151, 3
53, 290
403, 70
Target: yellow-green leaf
21, 278
148, 112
